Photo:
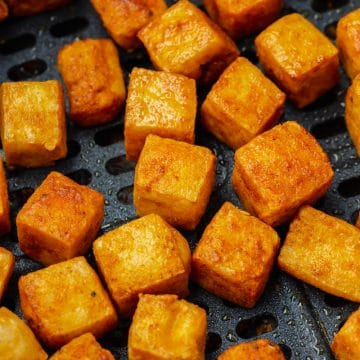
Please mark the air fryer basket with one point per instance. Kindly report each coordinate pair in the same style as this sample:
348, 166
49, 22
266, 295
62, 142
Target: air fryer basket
299, 317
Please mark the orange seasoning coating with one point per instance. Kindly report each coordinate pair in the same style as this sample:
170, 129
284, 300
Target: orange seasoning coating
31, 7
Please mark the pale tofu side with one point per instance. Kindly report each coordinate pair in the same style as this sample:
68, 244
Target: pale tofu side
17, 341
7, 263
242, 104
165, 328
144, 256
5, 224
4, 11
31, 7
323, 251
75, 288
158, 103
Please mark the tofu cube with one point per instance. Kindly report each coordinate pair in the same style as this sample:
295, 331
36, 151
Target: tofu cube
5, 225
235, 255
4, 12
261, 349
144, 256
346, 343
31, 7
83, 347
299, 57
185, 41
323, 251
352, 112
32, 120
279, 171
242, 104
165, 328
243, 18
94, 80
348, 42
158, 103
123, 19
64, 301
7, 263
60, 220
174, 180
17, 340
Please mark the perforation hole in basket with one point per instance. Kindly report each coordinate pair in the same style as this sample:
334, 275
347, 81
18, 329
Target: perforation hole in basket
250, 54
355, 216
125, 195
74, 149
350, 187
81, 176
326, 100
256, 326
329, 128
117, 338
213, 342
18, 43
69, 27
119, 165
334, 301
19, 197
109, 136
330, 30
286, 350
326, 5
27, 70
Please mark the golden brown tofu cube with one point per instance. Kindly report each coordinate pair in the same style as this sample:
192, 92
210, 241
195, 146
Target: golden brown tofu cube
30, 7
348, 42
323, 251
158, 103
4, 202
242, 104
84, 347
165, 328
175, 180
94, 80
64, 301
299, 57
33, 129
279, 171
185, 41
352, 112
254, 350
123, 19
241, 18
235, 256
3, 10
144, 256
7, 263
60, 220
346, 343
17, 340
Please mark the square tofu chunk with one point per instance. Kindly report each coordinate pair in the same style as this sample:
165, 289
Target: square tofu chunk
279, 171
301, 59
324, 252
3, 10
352, 112
175, 180
348, 42
33, 129
64, 301
60, 220
242, 104
144, 256
17, 341
346, 343
94, 80
235, 256
158, 103
7, 263
123, 19
4, 202
244, 17
84, 347
165, 328
30, 7
185, 41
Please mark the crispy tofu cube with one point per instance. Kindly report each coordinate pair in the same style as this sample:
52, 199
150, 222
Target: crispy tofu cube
352, 112
83, 347
242, 104
348, 42
30, 7
7, 263
175, 180
185, 41
346, 343
4, 203
324, 252
144, 256
94, 80
33, 129
242, 18
158, 103
261, 349
165, 328
3, 10
301, 59
279, 171
235, 256
123, 19
64, 301
60, 220
17, 340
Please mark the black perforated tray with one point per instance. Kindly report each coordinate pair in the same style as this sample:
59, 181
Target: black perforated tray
299, 317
